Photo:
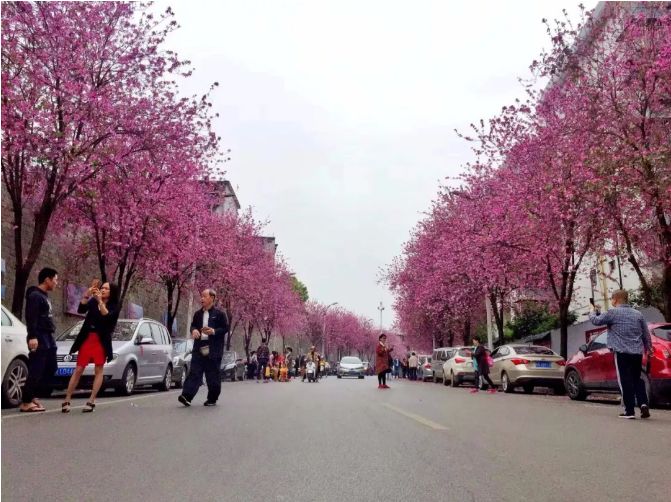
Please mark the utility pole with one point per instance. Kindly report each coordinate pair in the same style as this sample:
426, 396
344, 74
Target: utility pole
490, 334
380, 307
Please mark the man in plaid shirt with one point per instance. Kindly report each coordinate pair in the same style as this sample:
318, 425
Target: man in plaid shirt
628, 337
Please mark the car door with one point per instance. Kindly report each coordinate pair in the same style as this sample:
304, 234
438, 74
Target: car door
146, 353
495, 370
163, 349
598, 358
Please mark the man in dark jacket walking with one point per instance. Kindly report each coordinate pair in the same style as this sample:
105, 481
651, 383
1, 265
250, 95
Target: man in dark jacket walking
208, 328
42, 363
263, 356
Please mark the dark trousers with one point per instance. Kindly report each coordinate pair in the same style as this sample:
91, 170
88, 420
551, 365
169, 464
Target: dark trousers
629, 377
263, 364
208, 366
382, 378
251, 370
42, 366
485, 377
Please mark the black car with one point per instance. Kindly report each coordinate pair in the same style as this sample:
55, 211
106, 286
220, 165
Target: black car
232, 366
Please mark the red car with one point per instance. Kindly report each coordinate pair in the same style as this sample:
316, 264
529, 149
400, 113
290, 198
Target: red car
592, 368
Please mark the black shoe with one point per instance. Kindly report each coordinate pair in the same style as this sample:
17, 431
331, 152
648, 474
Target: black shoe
628, 416
184, 400
210, 403
645, 411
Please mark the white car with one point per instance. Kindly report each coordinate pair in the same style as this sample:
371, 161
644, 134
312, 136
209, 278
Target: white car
459, 367
14, 359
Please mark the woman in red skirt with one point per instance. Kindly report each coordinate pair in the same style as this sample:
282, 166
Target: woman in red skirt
94, 341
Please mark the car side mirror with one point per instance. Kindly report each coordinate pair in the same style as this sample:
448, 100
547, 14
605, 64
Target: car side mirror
583, 348
146, 340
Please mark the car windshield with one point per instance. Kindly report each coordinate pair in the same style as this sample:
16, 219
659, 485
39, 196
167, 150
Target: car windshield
229, 357
532, 350
350, 360
123, 332
663, 332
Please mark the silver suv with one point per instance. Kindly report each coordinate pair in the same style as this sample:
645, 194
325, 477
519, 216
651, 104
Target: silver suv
142, 356
438, 357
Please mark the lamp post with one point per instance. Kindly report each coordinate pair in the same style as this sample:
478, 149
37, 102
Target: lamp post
324, 328
380, 307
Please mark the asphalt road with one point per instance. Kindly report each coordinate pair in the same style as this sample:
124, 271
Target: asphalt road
336, 440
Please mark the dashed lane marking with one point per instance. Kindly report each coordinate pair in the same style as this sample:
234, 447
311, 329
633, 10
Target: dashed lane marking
417, 418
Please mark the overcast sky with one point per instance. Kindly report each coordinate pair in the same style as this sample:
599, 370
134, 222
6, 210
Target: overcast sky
340, 116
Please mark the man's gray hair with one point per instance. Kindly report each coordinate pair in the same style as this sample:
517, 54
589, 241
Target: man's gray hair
211, 292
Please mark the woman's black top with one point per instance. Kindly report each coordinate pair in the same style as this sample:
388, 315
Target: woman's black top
95, 322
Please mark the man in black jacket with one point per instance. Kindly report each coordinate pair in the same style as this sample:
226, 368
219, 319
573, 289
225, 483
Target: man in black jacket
42, 363
208, 328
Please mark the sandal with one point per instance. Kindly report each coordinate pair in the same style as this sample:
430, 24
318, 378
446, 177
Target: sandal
89, 408
65, 407
32, 409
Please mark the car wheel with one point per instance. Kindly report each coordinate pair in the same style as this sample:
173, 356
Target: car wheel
574, 386
128, 379
505, 384
528, 388
167, 380
13, 382
339, 376
454, 381
360, 377
648, 391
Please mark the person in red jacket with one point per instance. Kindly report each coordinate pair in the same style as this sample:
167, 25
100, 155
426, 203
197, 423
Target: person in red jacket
382, 361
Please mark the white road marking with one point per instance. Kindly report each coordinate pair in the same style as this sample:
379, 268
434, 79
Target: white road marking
18, 414
417, 418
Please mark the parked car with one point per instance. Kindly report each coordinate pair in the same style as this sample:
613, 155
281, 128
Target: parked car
439, 357
592, 368
142, 356
527, 366
350, 366
232, 366
459, 367
424, 371
181, 360
14, 359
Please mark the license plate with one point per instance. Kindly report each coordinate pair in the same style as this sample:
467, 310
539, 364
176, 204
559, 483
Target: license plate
65, 371
543, 364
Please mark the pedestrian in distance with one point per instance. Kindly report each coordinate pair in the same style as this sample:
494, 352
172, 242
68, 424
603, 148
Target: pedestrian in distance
382, 356
413, 363
252, 365
263, 356
480, 357
93, 344
40, 325
289, 360
396, 367
208, 329
628, 337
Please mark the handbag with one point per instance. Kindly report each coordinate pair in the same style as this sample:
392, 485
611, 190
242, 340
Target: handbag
205, 350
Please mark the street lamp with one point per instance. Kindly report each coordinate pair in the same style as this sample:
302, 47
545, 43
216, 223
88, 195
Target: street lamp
324, 328
380, 307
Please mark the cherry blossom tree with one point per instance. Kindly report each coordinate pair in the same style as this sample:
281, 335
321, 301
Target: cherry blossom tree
71, 72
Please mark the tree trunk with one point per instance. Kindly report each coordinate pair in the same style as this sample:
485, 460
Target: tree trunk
563, 329
25, 267
666, 292
467, 332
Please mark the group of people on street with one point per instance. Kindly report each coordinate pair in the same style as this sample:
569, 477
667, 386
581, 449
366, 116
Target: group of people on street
264, 365
93, 344
628, 339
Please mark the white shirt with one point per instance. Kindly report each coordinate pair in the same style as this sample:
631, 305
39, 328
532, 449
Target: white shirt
206, 319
